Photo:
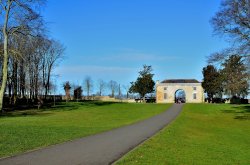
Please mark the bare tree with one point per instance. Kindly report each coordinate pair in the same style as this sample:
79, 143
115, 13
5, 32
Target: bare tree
101, 87
232, 21
19, 17
88, 85
53, 54
119, 91
126, 88
113, 86
33, 59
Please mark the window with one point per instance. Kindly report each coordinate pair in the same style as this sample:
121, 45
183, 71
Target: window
194, 96
165, 88
194, 88
165, 96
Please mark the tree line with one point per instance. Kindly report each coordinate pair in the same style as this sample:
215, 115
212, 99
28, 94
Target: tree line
76, 91
232, 79
228, 71
143, 85
28, 54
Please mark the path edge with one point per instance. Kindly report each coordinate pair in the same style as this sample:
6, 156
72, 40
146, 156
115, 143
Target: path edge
79, 138
147, 139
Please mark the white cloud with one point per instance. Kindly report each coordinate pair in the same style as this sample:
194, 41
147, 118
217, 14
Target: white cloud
92, 69
138, 57
77, 73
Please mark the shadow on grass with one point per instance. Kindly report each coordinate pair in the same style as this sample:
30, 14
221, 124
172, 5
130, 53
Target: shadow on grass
99, 103
241, 112
76, 105
25, 113
69, 106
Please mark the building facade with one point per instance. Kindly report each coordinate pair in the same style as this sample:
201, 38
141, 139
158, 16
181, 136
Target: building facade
166, 91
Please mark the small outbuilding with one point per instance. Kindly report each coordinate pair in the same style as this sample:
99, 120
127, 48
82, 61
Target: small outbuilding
179, 90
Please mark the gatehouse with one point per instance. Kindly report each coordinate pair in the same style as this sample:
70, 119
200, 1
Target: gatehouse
182, 90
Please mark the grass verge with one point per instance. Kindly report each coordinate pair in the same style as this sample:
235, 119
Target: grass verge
202, 134
31, 129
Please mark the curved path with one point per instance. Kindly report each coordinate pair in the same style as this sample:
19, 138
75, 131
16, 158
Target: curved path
103, 148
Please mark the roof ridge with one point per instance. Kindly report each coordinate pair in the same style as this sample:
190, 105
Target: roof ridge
180, 81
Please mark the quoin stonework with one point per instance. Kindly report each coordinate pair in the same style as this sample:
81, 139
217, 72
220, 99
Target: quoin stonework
166, 90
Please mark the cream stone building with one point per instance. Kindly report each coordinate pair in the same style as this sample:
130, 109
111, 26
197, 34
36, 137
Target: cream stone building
166, 91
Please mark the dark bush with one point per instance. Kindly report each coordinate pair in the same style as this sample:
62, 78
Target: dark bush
150, 100
218, 100
215, 100
237, 100
243, 101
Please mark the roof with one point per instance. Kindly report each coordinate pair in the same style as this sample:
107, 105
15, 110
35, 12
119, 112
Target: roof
180, 81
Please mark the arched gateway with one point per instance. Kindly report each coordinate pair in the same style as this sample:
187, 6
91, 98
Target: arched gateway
169, 90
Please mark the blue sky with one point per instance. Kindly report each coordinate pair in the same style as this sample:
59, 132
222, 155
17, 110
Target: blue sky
112, 39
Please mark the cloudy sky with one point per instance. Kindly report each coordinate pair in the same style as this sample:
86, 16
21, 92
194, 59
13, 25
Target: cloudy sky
113, 39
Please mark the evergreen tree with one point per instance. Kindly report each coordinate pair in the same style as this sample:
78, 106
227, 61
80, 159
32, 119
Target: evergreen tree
78, 93
212, 81
144, 83
67, 88
235, 77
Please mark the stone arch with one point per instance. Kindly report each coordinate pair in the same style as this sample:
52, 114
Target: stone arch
180, 94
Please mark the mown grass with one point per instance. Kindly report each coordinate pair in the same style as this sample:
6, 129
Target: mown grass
31, 129
202, 134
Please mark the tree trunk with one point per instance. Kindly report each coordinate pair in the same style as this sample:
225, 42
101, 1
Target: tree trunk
36, 74
48, 83
9, 88
14, 79
5, 57
22, 80
67, 91
5, 71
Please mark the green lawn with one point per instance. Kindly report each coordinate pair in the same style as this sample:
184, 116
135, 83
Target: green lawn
202, 134
31, 129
